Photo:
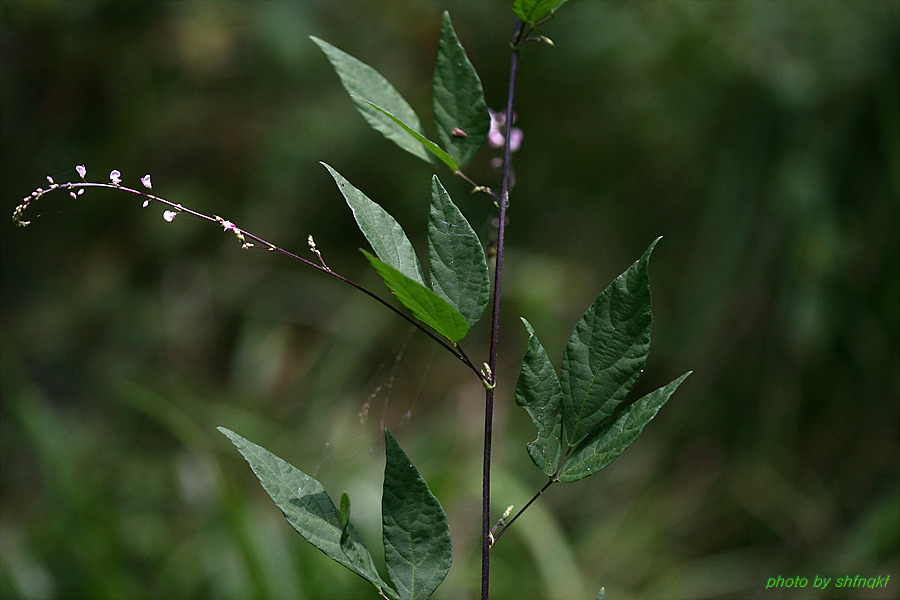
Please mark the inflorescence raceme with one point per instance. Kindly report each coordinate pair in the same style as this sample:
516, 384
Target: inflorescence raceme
248, 240
173, 209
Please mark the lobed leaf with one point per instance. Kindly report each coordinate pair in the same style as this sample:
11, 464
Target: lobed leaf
460, 112
424, 304
365, 84
310, 511
383, 232
459, 271
538, 391
428, 144
607, 351
417, 546
609, 440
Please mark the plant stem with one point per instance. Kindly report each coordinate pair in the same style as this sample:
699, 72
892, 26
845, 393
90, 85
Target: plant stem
456, 350
495, 330
533, 498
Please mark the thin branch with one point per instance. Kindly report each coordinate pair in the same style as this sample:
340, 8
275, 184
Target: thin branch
533, 498
242, 236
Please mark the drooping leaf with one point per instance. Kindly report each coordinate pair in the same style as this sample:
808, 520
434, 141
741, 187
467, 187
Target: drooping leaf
607, 351
460, 112
610, 439
384, 233
538, 391
459, 272
364, 83
417, 546
428, 144
309, 510
532, 11
424, 304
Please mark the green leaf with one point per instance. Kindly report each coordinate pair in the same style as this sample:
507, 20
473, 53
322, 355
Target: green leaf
354, 552
459, 271
429, 145
417, 546
364, 84
607, 351
309, 510
538, 391
424, 304
609, 440
460, 112
345, 511
384, 233
532, 11
601, 595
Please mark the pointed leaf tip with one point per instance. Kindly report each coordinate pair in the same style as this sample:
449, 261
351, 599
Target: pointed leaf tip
612, 438
607, 350
460, 111
368, 88
417, 547
309, 510
459, 271
383, 232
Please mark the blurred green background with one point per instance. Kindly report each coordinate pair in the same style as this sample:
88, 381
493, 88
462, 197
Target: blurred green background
762, 139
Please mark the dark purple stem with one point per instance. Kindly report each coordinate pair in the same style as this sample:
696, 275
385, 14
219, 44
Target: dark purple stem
495, 332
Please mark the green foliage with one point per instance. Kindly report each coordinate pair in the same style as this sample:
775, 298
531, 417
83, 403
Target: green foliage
309, 510
384, 233
583, 416
612, 437
424, 304
459, 271
460, 112
426, 143
538, 391
532, 11
459, 274
775, 182
417, 546
367, 87
606, 352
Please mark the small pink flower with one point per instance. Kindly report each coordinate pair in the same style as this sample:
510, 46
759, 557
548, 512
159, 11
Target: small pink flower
169, 215
81, 171
146, 181
515, 139
496, 137
227, 225
115, 177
